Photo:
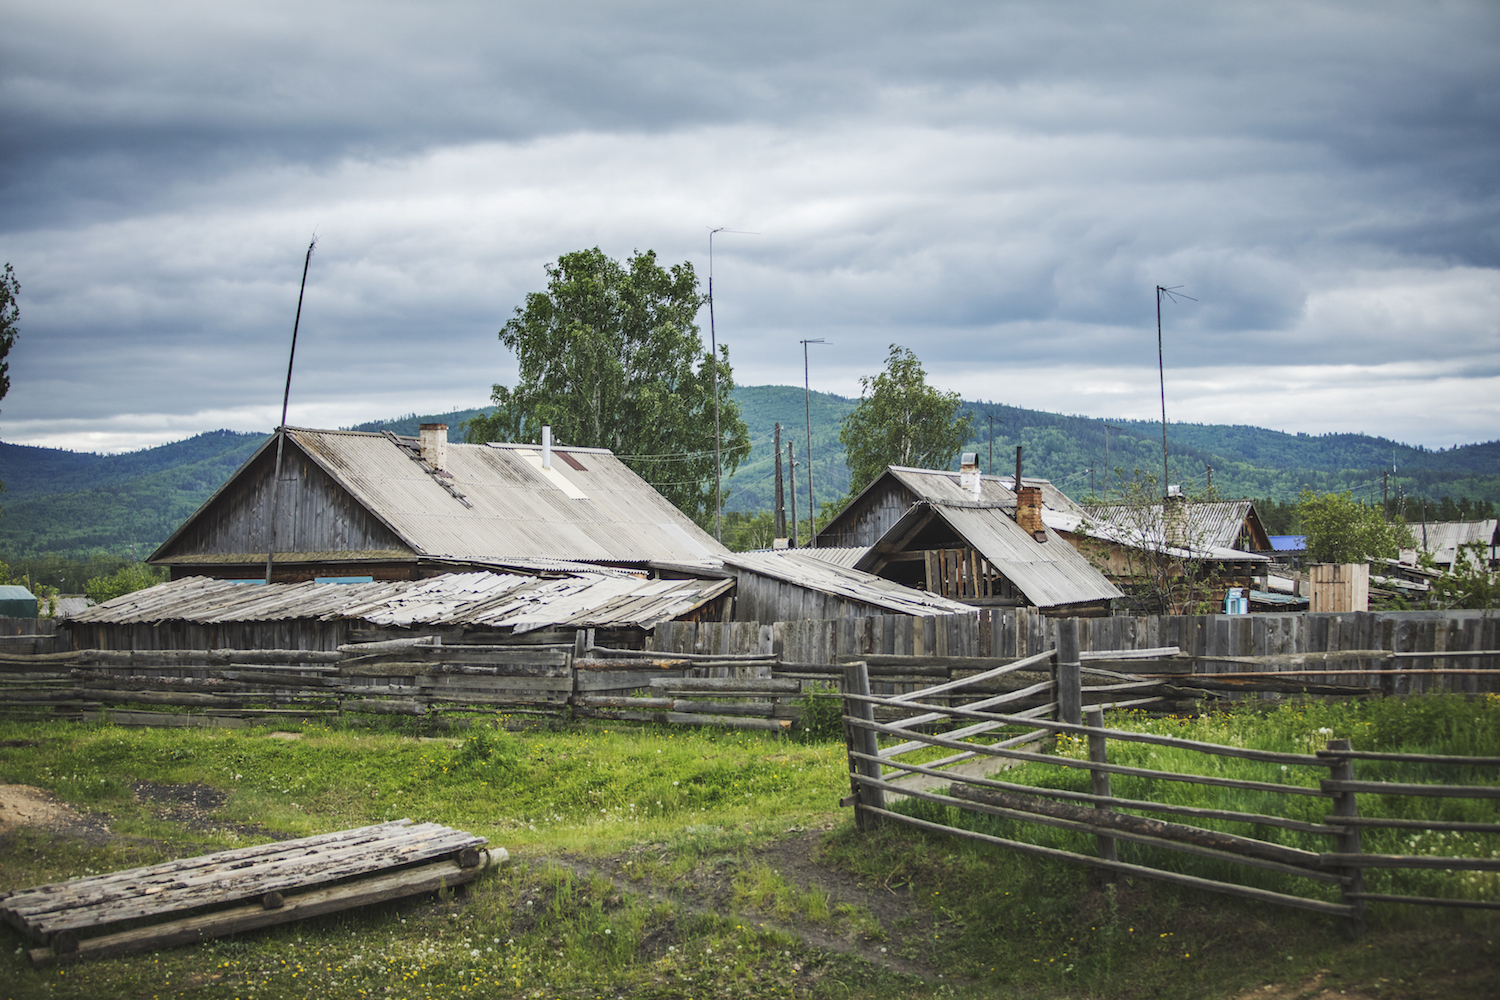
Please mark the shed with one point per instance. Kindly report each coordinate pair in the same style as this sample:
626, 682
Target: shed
17, 602
870, 515
400, 508
204, 613
1441, 540
979, 554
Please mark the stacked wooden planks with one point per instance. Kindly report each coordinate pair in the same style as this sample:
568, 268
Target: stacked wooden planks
193, 899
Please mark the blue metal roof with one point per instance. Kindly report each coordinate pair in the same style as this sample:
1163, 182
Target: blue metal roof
1288, 543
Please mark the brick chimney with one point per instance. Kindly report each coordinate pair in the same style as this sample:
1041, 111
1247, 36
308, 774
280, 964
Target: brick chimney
1174, 518
1029, 512
434, 441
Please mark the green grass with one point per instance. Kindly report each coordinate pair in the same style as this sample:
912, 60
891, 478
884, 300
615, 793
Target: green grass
667, 814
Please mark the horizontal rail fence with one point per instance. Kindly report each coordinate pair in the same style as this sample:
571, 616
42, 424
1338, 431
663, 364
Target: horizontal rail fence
930, 756
415, 678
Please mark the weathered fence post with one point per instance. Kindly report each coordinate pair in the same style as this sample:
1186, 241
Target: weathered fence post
1345, 806
1067, 673
861, 740
1098, 755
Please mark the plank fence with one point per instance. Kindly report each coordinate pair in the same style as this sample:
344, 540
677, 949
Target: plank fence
1069, 701
744, 674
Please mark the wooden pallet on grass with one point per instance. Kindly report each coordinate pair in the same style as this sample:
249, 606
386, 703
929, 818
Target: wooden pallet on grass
193, 899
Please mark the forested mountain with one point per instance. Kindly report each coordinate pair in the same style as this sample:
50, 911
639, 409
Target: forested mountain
77, 504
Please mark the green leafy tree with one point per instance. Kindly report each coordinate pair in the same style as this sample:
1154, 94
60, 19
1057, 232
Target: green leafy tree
901, 420
125, 580
1340, 529
610, 356
10, 314
1469, 582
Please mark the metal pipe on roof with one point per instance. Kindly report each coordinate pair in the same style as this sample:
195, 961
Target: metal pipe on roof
546, 446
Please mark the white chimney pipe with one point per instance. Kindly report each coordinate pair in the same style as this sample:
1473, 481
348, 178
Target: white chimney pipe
433, 439
546, 446
968, 475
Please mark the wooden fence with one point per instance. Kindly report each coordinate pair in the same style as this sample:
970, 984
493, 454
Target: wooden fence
408, 677
921, 722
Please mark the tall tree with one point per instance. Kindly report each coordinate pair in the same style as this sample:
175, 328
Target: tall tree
10, 313
610, 356
901, 420
1340, 529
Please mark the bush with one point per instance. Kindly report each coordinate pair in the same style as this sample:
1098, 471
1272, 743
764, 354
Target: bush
822, 718
125, 580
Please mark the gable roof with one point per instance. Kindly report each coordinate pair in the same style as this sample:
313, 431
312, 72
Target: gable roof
1050, 573
492, 503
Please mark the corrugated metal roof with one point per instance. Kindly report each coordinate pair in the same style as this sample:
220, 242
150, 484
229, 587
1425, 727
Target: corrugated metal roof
1215, 524
520, 603
801, 567
840, 555
1288, 543
1442, 539
944, 487
1049, 573
1092, 526
588, 506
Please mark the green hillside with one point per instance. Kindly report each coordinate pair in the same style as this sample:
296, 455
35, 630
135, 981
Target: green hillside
76, 504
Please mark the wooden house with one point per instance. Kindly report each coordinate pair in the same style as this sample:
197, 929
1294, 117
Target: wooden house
384, 507
969, 538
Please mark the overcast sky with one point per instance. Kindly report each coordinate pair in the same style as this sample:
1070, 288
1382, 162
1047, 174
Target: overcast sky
998, 186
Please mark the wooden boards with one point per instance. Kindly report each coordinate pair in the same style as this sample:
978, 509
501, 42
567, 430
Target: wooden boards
190, 899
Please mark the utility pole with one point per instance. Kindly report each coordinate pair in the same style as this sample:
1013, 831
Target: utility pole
780, 517
281, 430
1107, 429
992, 444
812, 504
1385, 495
791, 469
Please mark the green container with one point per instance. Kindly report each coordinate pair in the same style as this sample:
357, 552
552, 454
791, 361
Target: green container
17, 602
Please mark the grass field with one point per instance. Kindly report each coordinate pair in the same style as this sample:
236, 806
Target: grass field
658, 863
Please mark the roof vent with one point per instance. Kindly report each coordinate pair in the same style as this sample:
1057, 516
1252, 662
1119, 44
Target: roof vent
434, 444
968, 474
546, 446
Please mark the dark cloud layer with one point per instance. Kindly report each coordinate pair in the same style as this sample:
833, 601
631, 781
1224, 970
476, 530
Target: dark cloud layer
998, 185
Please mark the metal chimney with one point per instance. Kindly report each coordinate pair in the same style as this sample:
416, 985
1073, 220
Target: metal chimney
546, 446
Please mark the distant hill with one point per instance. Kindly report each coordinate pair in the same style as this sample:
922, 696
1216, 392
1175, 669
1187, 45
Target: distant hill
76, 504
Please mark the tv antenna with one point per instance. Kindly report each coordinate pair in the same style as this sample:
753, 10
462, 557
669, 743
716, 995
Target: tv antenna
713, 339
285, 398
1173, 294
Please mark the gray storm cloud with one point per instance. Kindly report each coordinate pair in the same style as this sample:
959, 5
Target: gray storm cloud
999, 186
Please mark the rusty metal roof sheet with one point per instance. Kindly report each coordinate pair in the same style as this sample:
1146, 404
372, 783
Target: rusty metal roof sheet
1049, 573
495, 600
495, 501
801, 567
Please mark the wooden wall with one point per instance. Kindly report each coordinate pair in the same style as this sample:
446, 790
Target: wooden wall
315, 514
868, 521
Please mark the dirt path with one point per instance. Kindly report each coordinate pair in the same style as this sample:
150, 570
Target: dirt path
867, 920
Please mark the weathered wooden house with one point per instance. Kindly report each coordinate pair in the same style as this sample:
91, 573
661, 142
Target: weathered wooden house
969, 538
354, 504
1443, 541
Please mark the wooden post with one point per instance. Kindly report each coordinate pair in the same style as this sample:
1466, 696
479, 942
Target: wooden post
1344, 805
1067, 672
857, 681
1098, 755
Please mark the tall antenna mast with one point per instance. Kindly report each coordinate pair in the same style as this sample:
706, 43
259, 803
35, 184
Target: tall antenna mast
1161, 370
812, 506
281, 430
713, 339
